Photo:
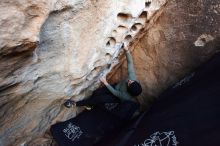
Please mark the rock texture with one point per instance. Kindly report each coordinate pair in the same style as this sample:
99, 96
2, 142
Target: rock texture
186, 34
51, 50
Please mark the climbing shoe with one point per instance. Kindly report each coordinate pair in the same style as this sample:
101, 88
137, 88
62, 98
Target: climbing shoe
69, 103
87, 108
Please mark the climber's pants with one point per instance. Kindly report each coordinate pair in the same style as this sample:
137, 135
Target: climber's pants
99, 97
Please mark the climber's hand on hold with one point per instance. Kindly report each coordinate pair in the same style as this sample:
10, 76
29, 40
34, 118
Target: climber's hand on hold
103, 80
115, 62
125, 47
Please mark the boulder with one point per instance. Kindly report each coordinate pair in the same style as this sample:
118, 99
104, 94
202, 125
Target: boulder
55, 50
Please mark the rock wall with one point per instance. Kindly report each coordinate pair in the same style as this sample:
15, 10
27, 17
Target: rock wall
185, 35
57, 49
51, 50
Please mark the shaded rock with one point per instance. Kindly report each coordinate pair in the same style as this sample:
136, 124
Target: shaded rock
185, 35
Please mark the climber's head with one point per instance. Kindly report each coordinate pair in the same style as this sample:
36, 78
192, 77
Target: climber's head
134, 88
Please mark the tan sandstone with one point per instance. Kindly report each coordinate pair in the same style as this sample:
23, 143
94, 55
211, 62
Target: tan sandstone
52, 50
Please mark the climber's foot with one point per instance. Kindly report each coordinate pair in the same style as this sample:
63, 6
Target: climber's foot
88, 108
69, 103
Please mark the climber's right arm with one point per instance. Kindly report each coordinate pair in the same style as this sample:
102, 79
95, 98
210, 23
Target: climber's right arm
115, 92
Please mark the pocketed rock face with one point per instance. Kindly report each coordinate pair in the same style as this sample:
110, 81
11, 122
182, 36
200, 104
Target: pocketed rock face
51, 50
56, 49
185, 35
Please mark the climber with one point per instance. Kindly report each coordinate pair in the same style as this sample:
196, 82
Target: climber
111, 107
125, 90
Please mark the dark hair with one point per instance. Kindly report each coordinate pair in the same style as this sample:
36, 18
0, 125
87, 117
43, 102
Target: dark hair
134, 88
